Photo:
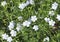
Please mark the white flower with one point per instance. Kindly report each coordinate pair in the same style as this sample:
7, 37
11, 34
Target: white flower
23, 5
47, 19
9, 39
33, 18
58, 17
51, 13
11, 25
4, 36
31, 2
13, 33
27, 2
46, 39
51, 22
20, 18
18, 27
3, 3
54, 5
26, 23
35, 27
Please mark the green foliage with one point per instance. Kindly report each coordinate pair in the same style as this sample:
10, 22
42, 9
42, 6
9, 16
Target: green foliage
11, 12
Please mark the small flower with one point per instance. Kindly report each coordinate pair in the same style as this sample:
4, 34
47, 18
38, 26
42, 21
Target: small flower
58, 17
47, 19
11, 25
3, 3
46, 39
54, 5
51, 22
33, 18
18, 27
23, 5
51, 13
27, 2
35, 27
9, 39
4, 36
26, 23
31, 2
20, 18
13, 33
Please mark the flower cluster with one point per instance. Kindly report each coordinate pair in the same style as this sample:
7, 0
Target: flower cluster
23, 5
32, 19
51, 13
13, 30
6, 37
